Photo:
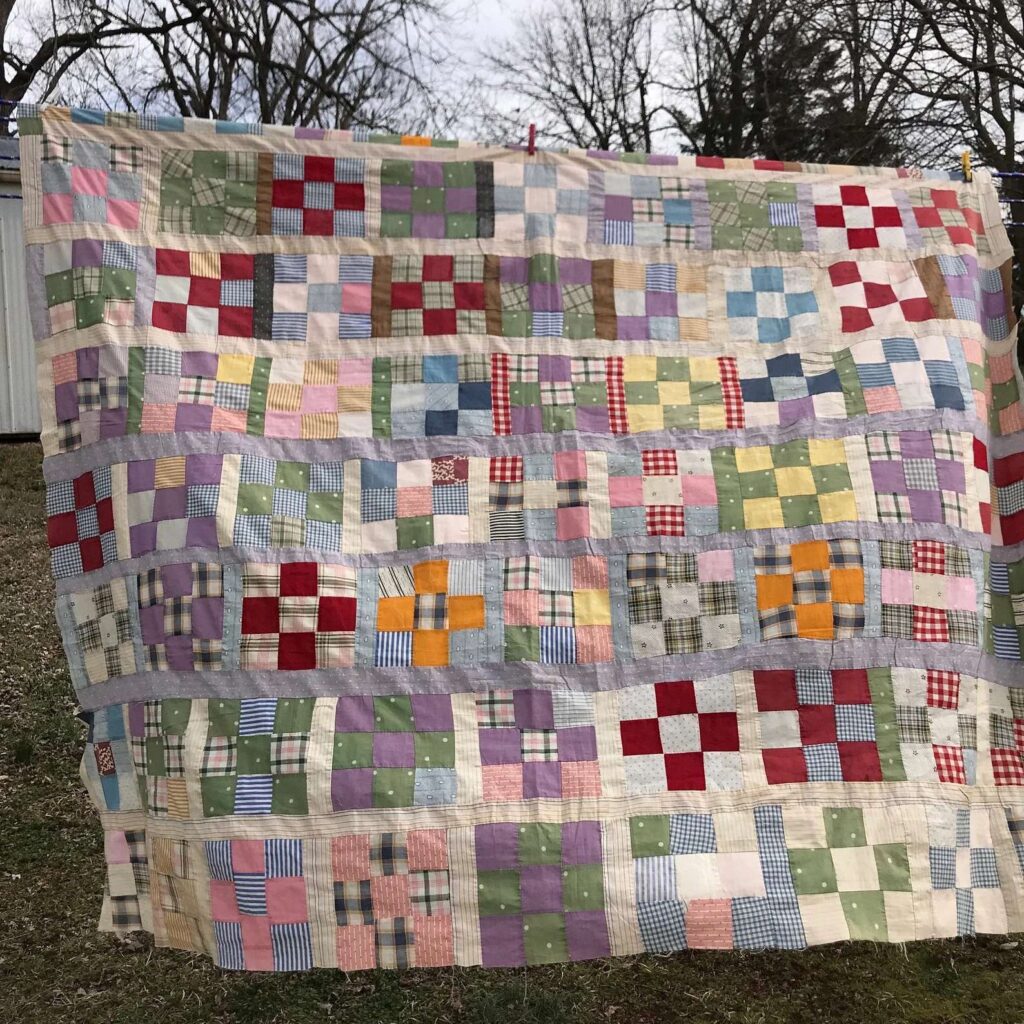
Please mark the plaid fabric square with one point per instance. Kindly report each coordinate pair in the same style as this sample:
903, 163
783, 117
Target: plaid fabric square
157, 734
943, 215
181, 614
753, 215
208, 192
89, 182
813, 590
90, 282
770, 304
681, 736
540, 892
316, 195
297, 615
1004, 625
920, 476
205, 293
415, 295
103, 632
426, 199
80, 523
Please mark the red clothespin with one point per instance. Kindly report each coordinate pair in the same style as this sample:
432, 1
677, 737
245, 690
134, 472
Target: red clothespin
531, 144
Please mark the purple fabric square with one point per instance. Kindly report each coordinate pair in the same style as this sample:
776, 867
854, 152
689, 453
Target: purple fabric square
525, 419
514, 270
169, 503
87, 363
540, 888
501, 941
428, 173
916, 444
396, 198
534, 709
354, 714
86, 252
143, 538
888, 477
208, 618
633, 328
925, 506
542, 779
202, 532
553, 368
460, 200
141, 476
309, 133
586, 934
193, 418
950, 475
177, 579
428, 225
573, 271
113, 422
199, 364
178, 650
151, 619
618, 208
202, 469
793, 410
65, 401
545, 296
497, 846
352, 789
432, 712
500, 746
581, 842
393, 750
592, 418
160, 389
137, 717
578, 743
661, 304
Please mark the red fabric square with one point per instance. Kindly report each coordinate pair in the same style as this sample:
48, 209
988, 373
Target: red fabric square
105, 514
675, 698
846, 272
204, 291
84, 490
288, 194
685, 771
172, 262
235, 321
850, 686
829, 217
296, 650
887, 217
817, 724
92, 553
855, 319
878, 293
862, 238
318, 168
860, 762
349, 195
944, 199
927, 217
719, 731
336, 615
917, 310
61, 529
236, 266
853, 195
439, 321
469, 295
299, 579
775, 690
318, 222
640, 736
438, 268
406, 295
260, 615
783, 765
170, 316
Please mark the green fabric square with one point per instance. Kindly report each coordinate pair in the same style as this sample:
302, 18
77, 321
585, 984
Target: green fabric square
174, 715
844, 826
89, 310
223, 717
459, 174
543, 268
800, 510
353, 750
583, 887
672, 369
865, 915
544, 939
706, 392
218, 794
649, 836
434, 749
752, 215
579, 325
426, 199
393, 714
515, 324
253, 755
59, 288
415, 532
460, 225
294, 714
893, 865
721, 191
681, 417
497, 892
812, 871
207, 220
395, 225
555, 419
831, 479
156, 763
641, 392
727, 236
241, 194
591, 394
396, 172
788, 239
758, 483
289, 795
393, 787
780, 192
118, 283
325, 507
255, 499
293, 476
522, 643
540, 843
793, 453
209, 163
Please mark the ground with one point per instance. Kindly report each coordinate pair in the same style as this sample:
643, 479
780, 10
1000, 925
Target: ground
55, 966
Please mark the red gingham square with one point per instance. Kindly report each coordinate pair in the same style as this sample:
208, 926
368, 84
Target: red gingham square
943, 689
659, 462
929, 556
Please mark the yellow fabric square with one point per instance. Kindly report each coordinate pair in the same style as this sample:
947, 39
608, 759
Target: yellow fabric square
639, 368
748, 460
762, 513
704, 368
794, 480
674, 392
646, 417
826, 452
284, 397
690, 278
169, 472
840, 507
592, 607
354, 399
630, 276
204, 264
235, 369
712, 417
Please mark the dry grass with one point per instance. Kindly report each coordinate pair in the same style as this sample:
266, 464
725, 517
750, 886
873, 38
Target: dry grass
54, 966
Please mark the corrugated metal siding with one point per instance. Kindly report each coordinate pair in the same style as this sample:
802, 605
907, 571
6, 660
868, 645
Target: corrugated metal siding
19, 408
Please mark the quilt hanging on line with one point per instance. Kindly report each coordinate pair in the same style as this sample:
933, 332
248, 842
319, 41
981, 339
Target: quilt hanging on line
469, 556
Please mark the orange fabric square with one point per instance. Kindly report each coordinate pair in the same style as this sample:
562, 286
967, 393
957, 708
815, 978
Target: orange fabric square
431, 577
466, 612
812, 554
356, 949
433, 946
814, 621
350, 858
426, 849
395, 614
848, 586
773, 591
430, 647
709, 924
390, 894
594, 643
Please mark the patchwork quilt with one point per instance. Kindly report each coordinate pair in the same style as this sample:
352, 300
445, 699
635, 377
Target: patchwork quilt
474, 556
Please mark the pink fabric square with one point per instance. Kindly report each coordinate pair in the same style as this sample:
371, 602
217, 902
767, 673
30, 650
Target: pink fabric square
350, 858
115, 848
256, 944
434, 946
158, 419
355, 372
231, 421
426, 849
355, 298
897, 586
570, 465
502, 781
414, 501
286, 900
625, 491
885, 399
522, 608
572, 523
62, 317
715, 565
223, 905
593, 643
123, 213
119, 313
290, 298
58, 208
698, 490
589, 573
319, 398
580, 778
960, 593
356, 947
247, 857
64, 368
280, 424
390, 894
709, 924
88, 181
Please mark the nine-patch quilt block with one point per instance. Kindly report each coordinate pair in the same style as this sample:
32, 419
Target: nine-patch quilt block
472, 556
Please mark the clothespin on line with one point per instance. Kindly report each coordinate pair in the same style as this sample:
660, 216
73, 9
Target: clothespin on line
965, 162
531, 140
